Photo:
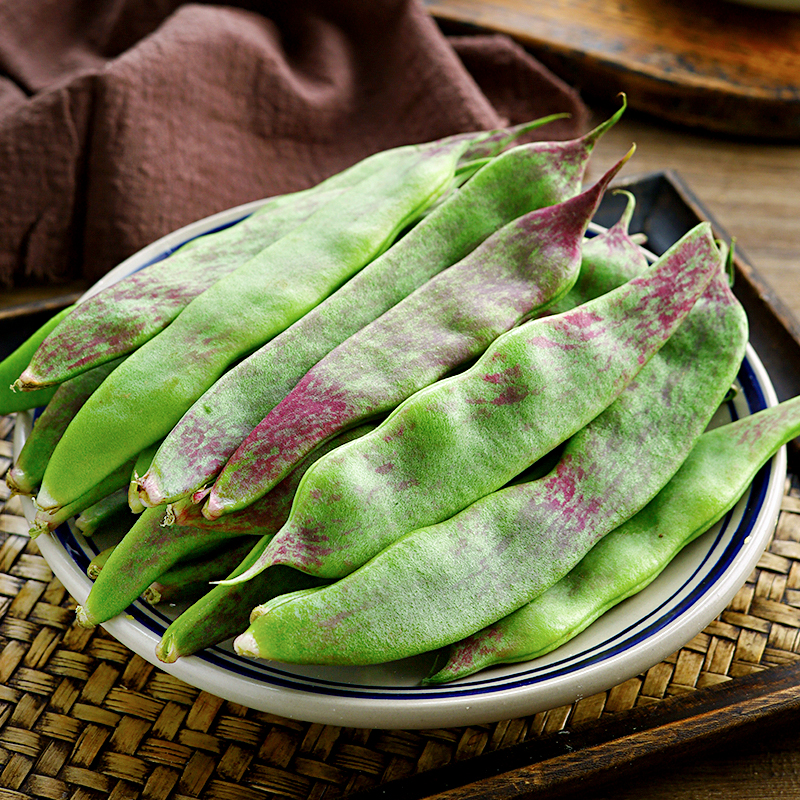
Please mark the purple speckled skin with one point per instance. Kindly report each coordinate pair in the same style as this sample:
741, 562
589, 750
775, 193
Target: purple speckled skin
709, 483
270, 512
129, 313
516, 272
464, 437
522, 179
446, 581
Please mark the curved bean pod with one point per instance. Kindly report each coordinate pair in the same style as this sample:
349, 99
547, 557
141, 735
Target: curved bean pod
48, 520
145, 552
520, 180
465, 437
124, 316
441, 583
271, 511
26, 475
191, 578
710, 482
225, 610
160, 381
514, 274
108, 510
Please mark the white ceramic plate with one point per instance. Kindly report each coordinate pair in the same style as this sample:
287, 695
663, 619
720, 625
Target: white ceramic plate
626, 641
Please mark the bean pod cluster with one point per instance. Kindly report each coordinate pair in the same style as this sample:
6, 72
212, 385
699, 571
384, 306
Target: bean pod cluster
414, 408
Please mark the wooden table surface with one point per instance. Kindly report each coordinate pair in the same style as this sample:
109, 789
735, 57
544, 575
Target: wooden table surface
753, 191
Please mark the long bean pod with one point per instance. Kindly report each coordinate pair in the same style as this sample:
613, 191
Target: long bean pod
124, 316
270, 512
466, 436
441, 583
191, 578
144, 553
48, 520
105, 511
522, 179
710, 482
225, 610
514, 274
25, 476
156, 384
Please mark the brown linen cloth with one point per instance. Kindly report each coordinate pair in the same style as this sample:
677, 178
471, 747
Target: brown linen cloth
122, 120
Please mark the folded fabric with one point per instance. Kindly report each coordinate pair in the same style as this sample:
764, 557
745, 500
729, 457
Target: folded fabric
121, 120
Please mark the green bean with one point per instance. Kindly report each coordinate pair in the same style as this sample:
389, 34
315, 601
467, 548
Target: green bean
48, 520
466, 436
124, 316
225, 610
271, 511
159, 382
514, 274
520, 180
441, 583
26, 475
96, 565
141, 466
13, 364
106, 511
191, 578
708, 485
144, 553
608, 260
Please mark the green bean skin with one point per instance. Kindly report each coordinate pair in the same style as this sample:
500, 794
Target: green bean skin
11, 399
26, 475
464, 437
110, 508
514, 274
708, 485
509, 547
49, 520
124, 316
160, 381
145, 552
225, 610
512, 184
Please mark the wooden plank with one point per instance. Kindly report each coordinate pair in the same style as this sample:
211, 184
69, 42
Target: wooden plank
715, 65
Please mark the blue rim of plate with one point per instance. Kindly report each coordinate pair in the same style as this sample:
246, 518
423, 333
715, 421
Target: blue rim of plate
497, 693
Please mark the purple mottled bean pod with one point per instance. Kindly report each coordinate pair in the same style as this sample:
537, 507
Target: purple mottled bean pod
515, 274
464, 437
522, 179
446, 581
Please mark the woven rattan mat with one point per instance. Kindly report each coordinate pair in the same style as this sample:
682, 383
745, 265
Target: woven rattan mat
83, 717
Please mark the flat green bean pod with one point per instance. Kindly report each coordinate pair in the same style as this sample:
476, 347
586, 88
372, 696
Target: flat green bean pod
465, 437
144, 553
12, 365
512, 184
710, 482
159, 382
25, 476
512, 545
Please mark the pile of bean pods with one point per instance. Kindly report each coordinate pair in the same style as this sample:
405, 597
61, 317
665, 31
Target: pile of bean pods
414, 408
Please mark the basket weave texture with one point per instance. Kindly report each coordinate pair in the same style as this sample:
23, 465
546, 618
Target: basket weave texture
83, 717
